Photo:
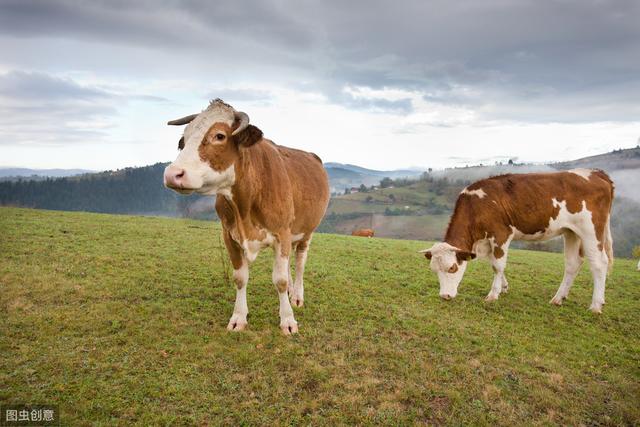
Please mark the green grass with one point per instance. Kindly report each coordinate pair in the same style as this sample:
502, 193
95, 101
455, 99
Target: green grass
121, 320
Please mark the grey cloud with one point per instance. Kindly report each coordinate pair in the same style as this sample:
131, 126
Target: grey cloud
39, 108
379, 105
41, 86
566, 61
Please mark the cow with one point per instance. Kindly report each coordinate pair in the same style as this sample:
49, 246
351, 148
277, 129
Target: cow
491, 213
363, 232
267, 195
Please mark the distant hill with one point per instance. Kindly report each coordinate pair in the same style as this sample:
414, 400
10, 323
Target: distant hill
414, 205
420, 208
15, 173
343, 176
616, 160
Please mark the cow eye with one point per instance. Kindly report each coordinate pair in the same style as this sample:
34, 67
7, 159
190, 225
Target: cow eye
453, 268
219, 136
181, 143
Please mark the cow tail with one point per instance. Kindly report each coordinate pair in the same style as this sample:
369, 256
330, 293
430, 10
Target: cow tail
608, 244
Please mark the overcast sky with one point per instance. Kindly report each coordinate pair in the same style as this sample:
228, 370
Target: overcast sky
91, 84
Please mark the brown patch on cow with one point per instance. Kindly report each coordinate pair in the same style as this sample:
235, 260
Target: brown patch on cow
363, 232
498, 252
279, 189
249, 136
464, 256
525, 202
219, 153
282, 286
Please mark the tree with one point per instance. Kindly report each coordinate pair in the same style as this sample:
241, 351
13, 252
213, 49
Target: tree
386, 182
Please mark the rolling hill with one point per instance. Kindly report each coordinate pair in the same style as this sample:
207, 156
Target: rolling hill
420, 208
120, 320
417, 207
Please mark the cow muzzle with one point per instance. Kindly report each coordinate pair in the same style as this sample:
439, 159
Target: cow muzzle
174, 178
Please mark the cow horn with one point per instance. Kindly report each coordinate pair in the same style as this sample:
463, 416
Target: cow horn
183, 120
244, 122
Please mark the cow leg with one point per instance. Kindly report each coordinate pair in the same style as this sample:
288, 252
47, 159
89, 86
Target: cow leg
281, 273
572, 262
297, 296
240, 264
598, 263
499, 280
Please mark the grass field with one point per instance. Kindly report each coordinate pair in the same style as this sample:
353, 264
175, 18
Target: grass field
121, 320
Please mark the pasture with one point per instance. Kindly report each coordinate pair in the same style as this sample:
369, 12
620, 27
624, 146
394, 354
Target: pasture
121, 320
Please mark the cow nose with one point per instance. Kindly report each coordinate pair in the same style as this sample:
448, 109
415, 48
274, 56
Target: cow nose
446, 297
173, 177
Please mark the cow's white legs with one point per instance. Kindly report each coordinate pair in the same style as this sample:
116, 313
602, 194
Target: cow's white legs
297, 294
500, 283
238, 320
598, 262
572, 263
280, 277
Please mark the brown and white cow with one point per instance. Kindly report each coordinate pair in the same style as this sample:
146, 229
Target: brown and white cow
493, 212
363, 232
267, 195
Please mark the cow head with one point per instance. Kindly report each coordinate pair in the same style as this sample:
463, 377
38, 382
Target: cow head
449, 263
209, 148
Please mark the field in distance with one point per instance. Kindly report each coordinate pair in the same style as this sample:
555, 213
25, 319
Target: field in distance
121, 320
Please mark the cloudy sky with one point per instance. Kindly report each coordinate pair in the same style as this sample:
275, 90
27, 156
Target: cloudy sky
376, 83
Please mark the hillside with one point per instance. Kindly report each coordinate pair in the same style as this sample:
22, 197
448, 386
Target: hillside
417, 207
420, 208
121, 320
618, 159
16, 173
343, 176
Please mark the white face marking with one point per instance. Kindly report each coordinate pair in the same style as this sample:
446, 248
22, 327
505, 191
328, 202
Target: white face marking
443, 257
585, 173
199, 175
479, 192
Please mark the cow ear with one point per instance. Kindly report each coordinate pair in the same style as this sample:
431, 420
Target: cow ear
426, 252
249, 136
464, 256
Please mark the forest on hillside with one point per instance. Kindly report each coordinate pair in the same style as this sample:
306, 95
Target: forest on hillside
126, 191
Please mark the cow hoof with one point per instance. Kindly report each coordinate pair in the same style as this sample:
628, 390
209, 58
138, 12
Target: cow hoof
296, 301
557, 300
596, 308
289, 326
237, 323
491, 298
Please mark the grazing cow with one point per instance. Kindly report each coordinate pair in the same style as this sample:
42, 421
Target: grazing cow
490, 213
363, 232
267, 195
